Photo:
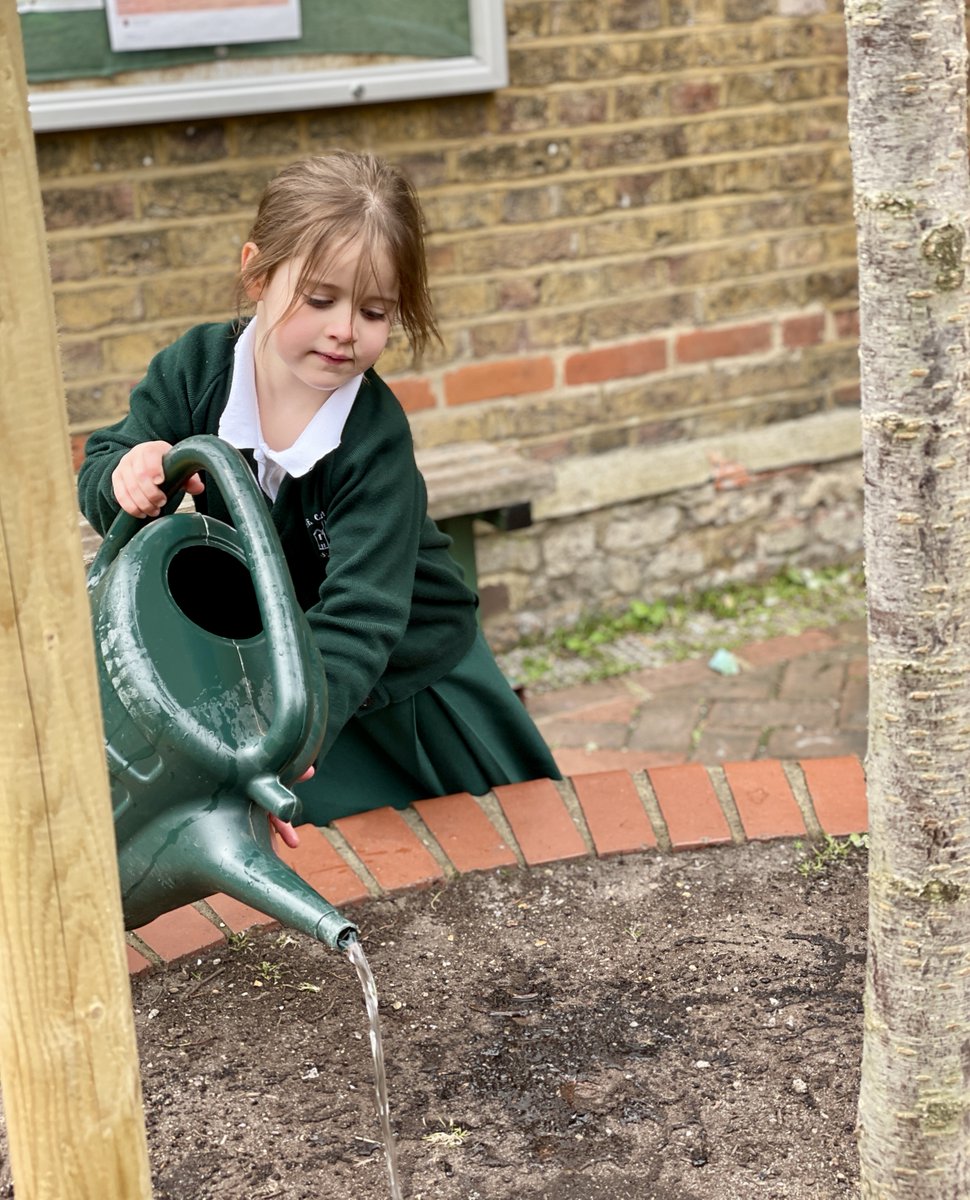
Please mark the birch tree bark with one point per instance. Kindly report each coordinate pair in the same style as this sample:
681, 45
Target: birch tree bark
907, 125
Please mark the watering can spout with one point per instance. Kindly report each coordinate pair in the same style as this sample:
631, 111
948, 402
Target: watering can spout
225, 846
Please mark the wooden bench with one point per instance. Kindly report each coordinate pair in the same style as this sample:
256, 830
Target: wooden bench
467, 481
476, 481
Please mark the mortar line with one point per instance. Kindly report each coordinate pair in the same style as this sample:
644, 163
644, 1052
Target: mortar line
725, 797
427, 839
143, 948
803, 798
205, 909
489, 804
648, 798
352, 860
567, 791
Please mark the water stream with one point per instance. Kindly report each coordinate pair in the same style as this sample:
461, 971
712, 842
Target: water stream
355, 952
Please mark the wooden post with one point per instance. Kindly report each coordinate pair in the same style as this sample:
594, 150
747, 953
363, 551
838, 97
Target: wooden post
68, 1059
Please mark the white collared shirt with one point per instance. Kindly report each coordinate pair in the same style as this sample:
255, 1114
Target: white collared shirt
239, 423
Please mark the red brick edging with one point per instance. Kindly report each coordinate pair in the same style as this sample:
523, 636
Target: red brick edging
660, 810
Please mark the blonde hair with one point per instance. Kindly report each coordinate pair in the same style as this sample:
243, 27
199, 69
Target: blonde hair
315, 206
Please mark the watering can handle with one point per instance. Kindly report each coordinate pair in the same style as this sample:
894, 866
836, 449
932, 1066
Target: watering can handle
274, 589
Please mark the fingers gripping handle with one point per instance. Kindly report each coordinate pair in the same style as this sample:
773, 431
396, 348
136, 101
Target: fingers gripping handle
125, 526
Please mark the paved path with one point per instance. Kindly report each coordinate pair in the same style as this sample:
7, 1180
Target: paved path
795, 697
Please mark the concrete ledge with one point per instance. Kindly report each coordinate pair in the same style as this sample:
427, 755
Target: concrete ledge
637, 472
660, 811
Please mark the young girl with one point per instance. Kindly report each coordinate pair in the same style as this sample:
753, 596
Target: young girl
417, 705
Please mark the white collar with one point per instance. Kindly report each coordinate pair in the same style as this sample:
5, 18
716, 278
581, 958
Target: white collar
239, 423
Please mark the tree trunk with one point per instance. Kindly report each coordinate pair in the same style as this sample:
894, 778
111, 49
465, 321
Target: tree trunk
907, 125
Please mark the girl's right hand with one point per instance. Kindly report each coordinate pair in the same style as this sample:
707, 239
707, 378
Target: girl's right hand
138, 477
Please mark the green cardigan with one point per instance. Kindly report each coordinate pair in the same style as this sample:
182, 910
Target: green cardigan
383, 597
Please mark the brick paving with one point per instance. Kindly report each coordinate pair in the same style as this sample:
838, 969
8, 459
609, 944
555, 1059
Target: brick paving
796, 697
662, 760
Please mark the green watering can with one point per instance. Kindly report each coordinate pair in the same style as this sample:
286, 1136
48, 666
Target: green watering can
214, 701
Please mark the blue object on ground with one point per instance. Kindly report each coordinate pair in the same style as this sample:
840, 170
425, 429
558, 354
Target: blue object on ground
724, 662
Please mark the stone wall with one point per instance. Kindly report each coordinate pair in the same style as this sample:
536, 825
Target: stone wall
642, 246
724, 523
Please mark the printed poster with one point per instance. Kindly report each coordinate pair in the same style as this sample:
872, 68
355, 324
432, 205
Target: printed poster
169, 24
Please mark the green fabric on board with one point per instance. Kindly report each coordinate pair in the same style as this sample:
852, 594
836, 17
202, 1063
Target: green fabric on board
74, 45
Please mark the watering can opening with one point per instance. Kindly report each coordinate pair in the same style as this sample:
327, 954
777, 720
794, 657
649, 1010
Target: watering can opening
214, 590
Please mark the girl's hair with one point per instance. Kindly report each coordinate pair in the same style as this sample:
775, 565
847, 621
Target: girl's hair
315, 206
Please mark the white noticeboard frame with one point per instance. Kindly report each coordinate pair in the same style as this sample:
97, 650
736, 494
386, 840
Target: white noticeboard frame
237, 93
158, 25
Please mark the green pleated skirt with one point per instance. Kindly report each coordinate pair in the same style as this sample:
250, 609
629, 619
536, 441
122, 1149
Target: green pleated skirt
466, 733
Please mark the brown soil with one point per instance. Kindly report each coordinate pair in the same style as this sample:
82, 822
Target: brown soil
658, 1028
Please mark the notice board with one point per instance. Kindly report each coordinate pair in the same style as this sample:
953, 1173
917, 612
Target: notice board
347, 51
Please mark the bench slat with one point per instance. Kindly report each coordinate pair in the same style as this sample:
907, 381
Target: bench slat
476, 477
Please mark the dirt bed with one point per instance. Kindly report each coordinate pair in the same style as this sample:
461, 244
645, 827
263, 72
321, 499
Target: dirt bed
658, 1028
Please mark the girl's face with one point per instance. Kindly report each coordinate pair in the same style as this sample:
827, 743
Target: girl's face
332, 334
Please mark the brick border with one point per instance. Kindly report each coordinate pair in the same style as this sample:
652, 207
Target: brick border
663, 810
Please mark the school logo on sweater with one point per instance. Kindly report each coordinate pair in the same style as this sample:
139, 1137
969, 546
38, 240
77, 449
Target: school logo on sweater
316, 527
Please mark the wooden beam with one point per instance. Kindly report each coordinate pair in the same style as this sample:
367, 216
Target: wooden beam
68, 1060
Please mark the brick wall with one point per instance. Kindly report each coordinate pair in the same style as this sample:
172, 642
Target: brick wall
645, 240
